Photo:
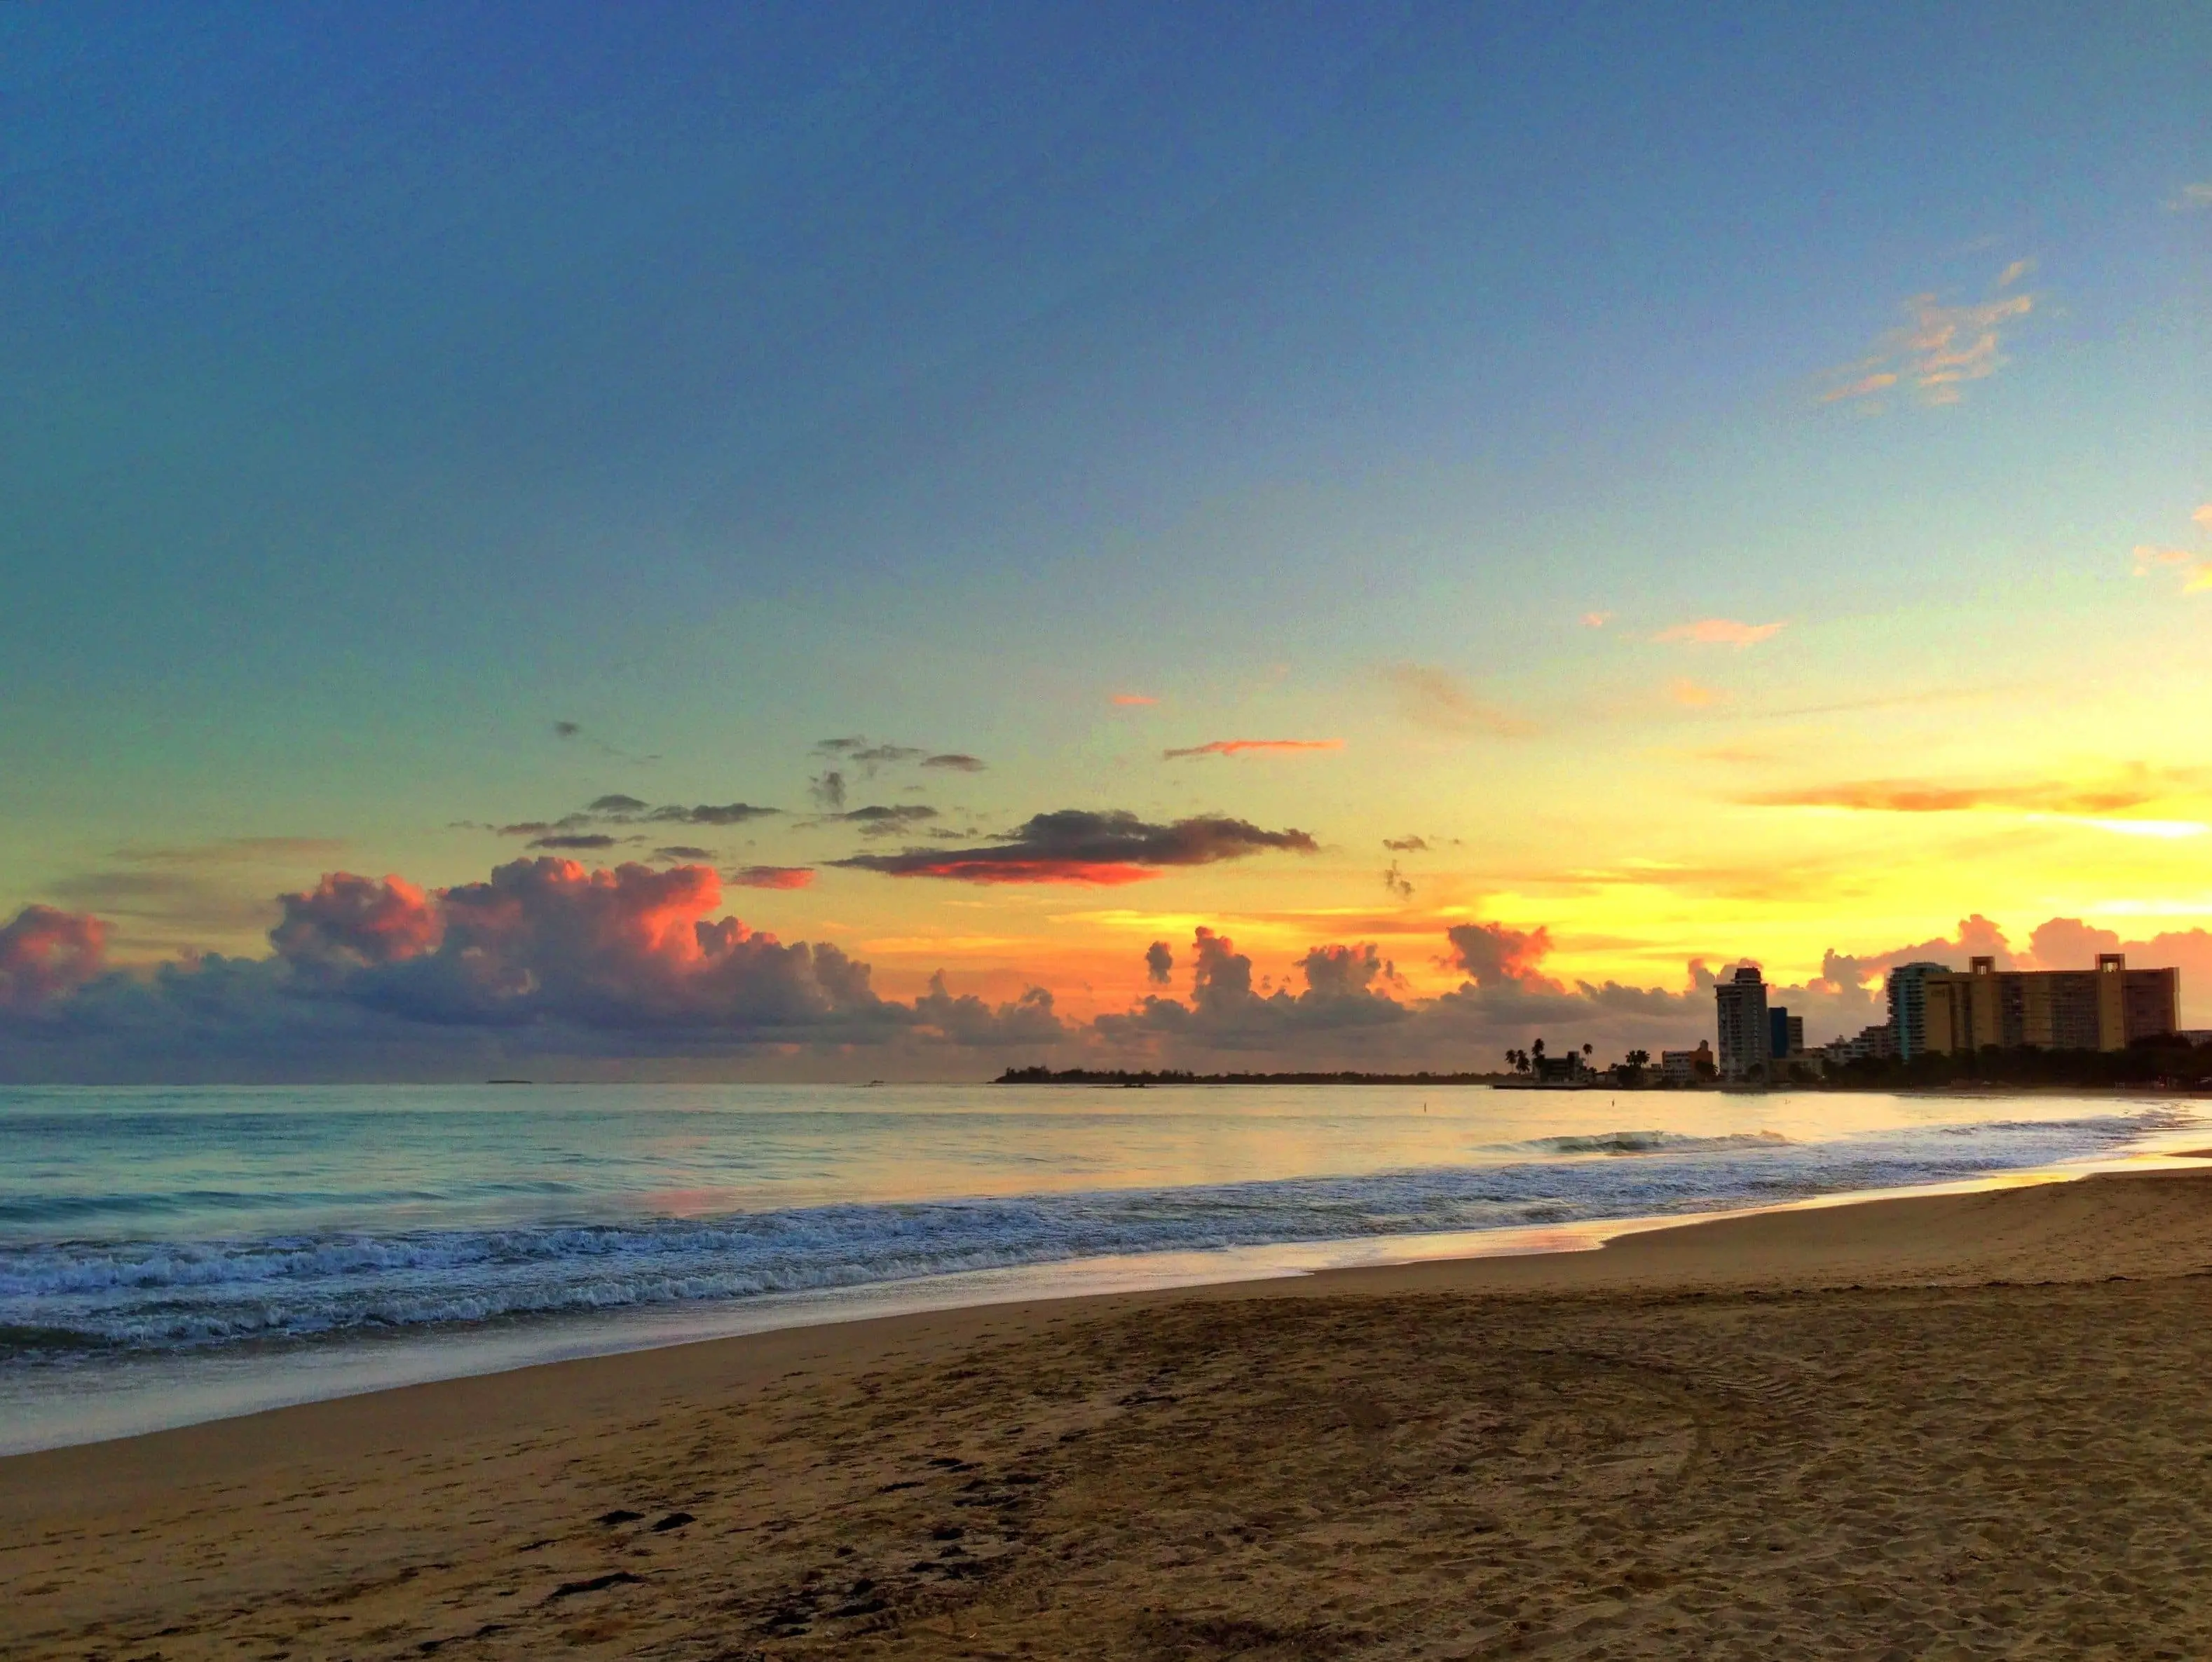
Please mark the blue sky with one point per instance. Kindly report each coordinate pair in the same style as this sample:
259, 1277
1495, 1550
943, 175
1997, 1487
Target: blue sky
386, 385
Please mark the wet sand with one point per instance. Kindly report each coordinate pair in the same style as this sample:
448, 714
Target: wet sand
1946, 1425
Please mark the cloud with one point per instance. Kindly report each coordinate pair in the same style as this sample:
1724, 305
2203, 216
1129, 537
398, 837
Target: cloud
1345, 991
1159, 963
1076, 845
1406, 844
574, 842
2139, 785
683, 852
1494, 955
771, 877
566, 729
2195, 564
1938, 349
620, 810
1254, 746
1690, 695
828, 790
1722, 631
1397, 882
374, 978
878, 820
1596, 619
2190, 196
955, 761
1436, 699
45, 954
2070, 943
1133, 700
841, 746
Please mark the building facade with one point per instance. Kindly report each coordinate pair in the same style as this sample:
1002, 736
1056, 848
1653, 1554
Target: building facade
1908, 1006
1687, 1067
1742, 1008
1785, 1034
2105, 1008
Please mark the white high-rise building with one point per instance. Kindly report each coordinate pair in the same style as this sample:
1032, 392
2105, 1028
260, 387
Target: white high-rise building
1743, 1027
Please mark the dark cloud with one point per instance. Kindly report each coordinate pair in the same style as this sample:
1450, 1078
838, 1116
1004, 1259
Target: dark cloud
877, 820
566, 729
771, 877
617, 803
827, 791
1343, 991
683, 852
1078, 845
955, 761
1397, 883
966, 1019
1159, 963
710, 813
1406, 844
45, 954
574, 842
841, 746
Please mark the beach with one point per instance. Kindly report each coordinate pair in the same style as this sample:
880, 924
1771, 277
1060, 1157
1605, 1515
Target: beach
1947, 1425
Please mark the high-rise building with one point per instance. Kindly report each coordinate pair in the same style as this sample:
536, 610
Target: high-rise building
1742, 1008
1785, 1034
1908, 1006
2106, 1009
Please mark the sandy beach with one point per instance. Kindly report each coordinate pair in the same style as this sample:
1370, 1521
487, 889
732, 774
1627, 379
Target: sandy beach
1944, 1426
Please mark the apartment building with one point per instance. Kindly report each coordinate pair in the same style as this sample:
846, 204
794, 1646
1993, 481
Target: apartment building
2105, 1008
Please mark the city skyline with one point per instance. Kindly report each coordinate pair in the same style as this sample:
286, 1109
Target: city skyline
1337, 538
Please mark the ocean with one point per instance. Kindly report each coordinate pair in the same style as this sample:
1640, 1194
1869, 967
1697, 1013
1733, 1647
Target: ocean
169, 1255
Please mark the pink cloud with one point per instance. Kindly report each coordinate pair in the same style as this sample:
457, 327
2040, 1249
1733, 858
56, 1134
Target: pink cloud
1690, 695
1492, 954
356, 920
47, 952
1131, 700
1722, 631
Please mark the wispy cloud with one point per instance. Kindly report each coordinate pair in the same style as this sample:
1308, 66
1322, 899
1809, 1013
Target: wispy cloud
1596, 619
1722, 631
1133, 700
2167, 830
1254, 747
2064, 798
1076, 845
1939, 348
1692, 694
770, 877
2195, 565
2190, 196
1438, 699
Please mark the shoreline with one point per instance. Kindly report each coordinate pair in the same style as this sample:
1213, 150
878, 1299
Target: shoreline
196, 1389
1294, 1451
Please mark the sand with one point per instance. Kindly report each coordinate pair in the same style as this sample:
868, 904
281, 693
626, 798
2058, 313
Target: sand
1949, 1426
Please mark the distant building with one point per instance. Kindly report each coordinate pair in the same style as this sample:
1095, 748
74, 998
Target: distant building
1877, 1043
1687, 1067
1742, 1004
1568, 1068
1908, 1006
1785, 1034
2106, 1009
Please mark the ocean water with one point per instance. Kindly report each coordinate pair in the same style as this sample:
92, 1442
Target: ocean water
167, 1255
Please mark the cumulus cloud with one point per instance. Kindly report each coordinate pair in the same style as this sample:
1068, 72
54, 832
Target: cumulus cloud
1078, 845
1937, 349
1721, 631
45, 953
1438, 700
1346, 990
828, 790
771, 877
955, 761
1406, 844
368, 976
1253, 747
1159, 963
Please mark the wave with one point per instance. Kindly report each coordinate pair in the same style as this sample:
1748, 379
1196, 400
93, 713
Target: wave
143, 1295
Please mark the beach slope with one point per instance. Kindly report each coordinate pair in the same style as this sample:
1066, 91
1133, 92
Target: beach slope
1956, 1425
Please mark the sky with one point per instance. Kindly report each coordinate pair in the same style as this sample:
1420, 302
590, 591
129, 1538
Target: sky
1186, 535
